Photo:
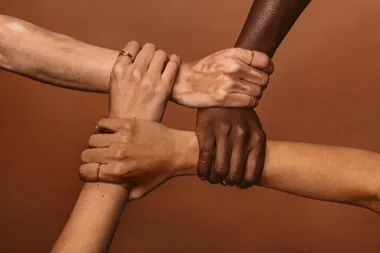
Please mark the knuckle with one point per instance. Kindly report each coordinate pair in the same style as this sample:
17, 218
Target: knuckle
119, 153
240, 131
229, 82
117, 71
231, 52
136, 74
118, 171
220, 96
259, 137
224, 129
234, 67
137, 194
124, 138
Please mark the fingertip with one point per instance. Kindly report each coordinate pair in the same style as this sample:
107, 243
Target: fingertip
175, 58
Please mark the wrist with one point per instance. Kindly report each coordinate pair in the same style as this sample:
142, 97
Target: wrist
185, 153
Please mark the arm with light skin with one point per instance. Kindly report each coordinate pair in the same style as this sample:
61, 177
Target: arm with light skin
153, 153
138, 90
237, 134
225, 78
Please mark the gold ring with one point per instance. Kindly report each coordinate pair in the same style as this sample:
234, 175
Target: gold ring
125, 53
225, 184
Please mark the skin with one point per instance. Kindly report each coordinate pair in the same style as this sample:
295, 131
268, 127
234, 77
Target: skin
149, 154
236, 134
226, 78
137, 90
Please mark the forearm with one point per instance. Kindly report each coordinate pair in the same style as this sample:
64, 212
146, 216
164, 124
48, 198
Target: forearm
321, 172
94, 219
268, 22
53, 58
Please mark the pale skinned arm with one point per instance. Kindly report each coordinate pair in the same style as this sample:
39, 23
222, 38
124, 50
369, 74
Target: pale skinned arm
329, 173
230, 77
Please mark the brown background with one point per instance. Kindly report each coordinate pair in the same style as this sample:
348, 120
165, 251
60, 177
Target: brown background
325, 90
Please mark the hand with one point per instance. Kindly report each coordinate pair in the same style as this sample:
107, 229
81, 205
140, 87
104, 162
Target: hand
230, 78
240, 146
139, 153
141, 89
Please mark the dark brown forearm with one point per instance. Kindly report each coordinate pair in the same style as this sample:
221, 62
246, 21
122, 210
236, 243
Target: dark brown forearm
268, 22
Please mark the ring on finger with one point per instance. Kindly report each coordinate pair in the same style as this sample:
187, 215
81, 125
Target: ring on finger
126, 53
225, 184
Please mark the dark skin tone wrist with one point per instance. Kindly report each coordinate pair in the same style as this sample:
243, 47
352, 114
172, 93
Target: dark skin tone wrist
232, 140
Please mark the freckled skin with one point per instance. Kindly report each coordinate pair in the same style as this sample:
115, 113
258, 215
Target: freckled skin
241, 162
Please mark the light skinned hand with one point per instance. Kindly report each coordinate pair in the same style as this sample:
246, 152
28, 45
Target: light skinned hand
232, 77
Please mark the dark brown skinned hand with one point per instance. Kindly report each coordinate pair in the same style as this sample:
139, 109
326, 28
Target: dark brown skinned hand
240, 142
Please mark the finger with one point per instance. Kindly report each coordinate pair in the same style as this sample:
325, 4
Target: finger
254, 166
221, 165
113, 124
98, 155
206, 154
262, 61
171, 70
238, 160
101, 140
133, 48
255, 59
157, 65
253, 76
107, 173
238, 100
145, 56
